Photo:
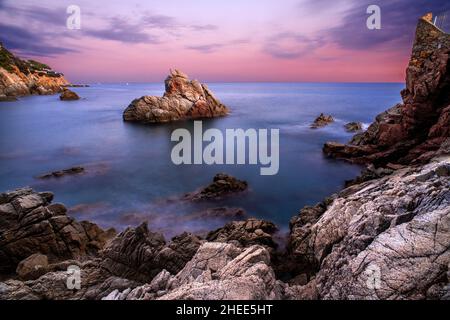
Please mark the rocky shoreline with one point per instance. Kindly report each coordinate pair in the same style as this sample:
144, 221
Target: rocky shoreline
385, 236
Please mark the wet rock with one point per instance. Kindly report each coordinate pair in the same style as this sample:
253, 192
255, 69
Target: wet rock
183, 99
353, 126
321, 121
68, 95
62, 173
221, 186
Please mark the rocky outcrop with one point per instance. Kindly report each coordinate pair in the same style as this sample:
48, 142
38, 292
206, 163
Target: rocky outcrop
222, 185
322, 121
23, 77
413, 131
246, 233
30, 224
68, 95
218, 271
353, 127
62, 173
388, 238
183, 99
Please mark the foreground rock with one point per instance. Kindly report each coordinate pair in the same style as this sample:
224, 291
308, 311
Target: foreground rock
414, 131
384, 239
322, 121
222, 185
218, 271
62, 173
68, 95
30, 224
183, 99
24, 77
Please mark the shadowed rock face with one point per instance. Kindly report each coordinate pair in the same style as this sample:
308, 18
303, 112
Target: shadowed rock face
413, 131
183, 99
222, 185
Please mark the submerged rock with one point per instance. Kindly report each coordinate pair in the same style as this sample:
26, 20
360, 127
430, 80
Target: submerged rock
222, 185
353, 126
61, 173
183, 99
68, 95
322, 121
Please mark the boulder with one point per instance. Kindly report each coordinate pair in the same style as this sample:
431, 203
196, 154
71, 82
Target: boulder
321, 121
222, 185
68, 95
32, 267
62, 173
353, 127
183, 99
246, 233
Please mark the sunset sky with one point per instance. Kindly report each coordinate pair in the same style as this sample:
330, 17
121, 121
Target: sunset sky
233, 40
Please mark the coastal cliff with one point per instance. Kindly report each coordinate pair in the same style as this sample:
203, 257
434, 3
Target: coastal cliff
413, 131
183, 99
24, 77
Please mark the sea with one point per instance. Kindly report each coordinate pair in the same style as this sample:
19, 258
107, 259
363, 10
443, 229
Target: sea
130, 177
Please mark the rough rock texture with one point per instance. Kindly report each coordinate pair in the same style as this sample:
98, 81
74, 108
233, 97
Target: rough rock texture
322, 121
413, 131
218, 271
32, 267
384, 239
19, 77
246, 233
30, 224
221, 186
68, 95
139, 254
183, 99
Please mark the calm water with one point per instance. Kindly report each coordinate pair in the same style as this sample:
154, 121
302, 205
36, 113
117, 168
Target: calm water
130, 177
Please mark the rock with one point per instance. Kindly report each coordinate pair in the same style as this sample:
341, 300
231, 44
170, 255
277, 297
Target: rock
30, 224
246, 233
24, 77
353, 126
68, 95
415, 130
61, 173
322, 121
387, 238
221, 186
218, 271
32, 267
183, 99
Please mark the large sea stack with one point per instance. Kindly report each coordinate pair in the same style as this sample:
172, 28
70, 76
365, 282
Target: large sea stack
24, 77
183, 99
414, 130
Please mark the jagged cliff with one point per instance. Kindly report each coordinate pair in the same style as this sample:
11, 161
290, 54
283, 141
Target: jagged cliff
413, 131
23, 77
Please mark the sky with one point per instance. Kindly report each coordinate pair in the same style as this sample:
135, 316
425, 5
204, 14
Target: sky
217, 41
